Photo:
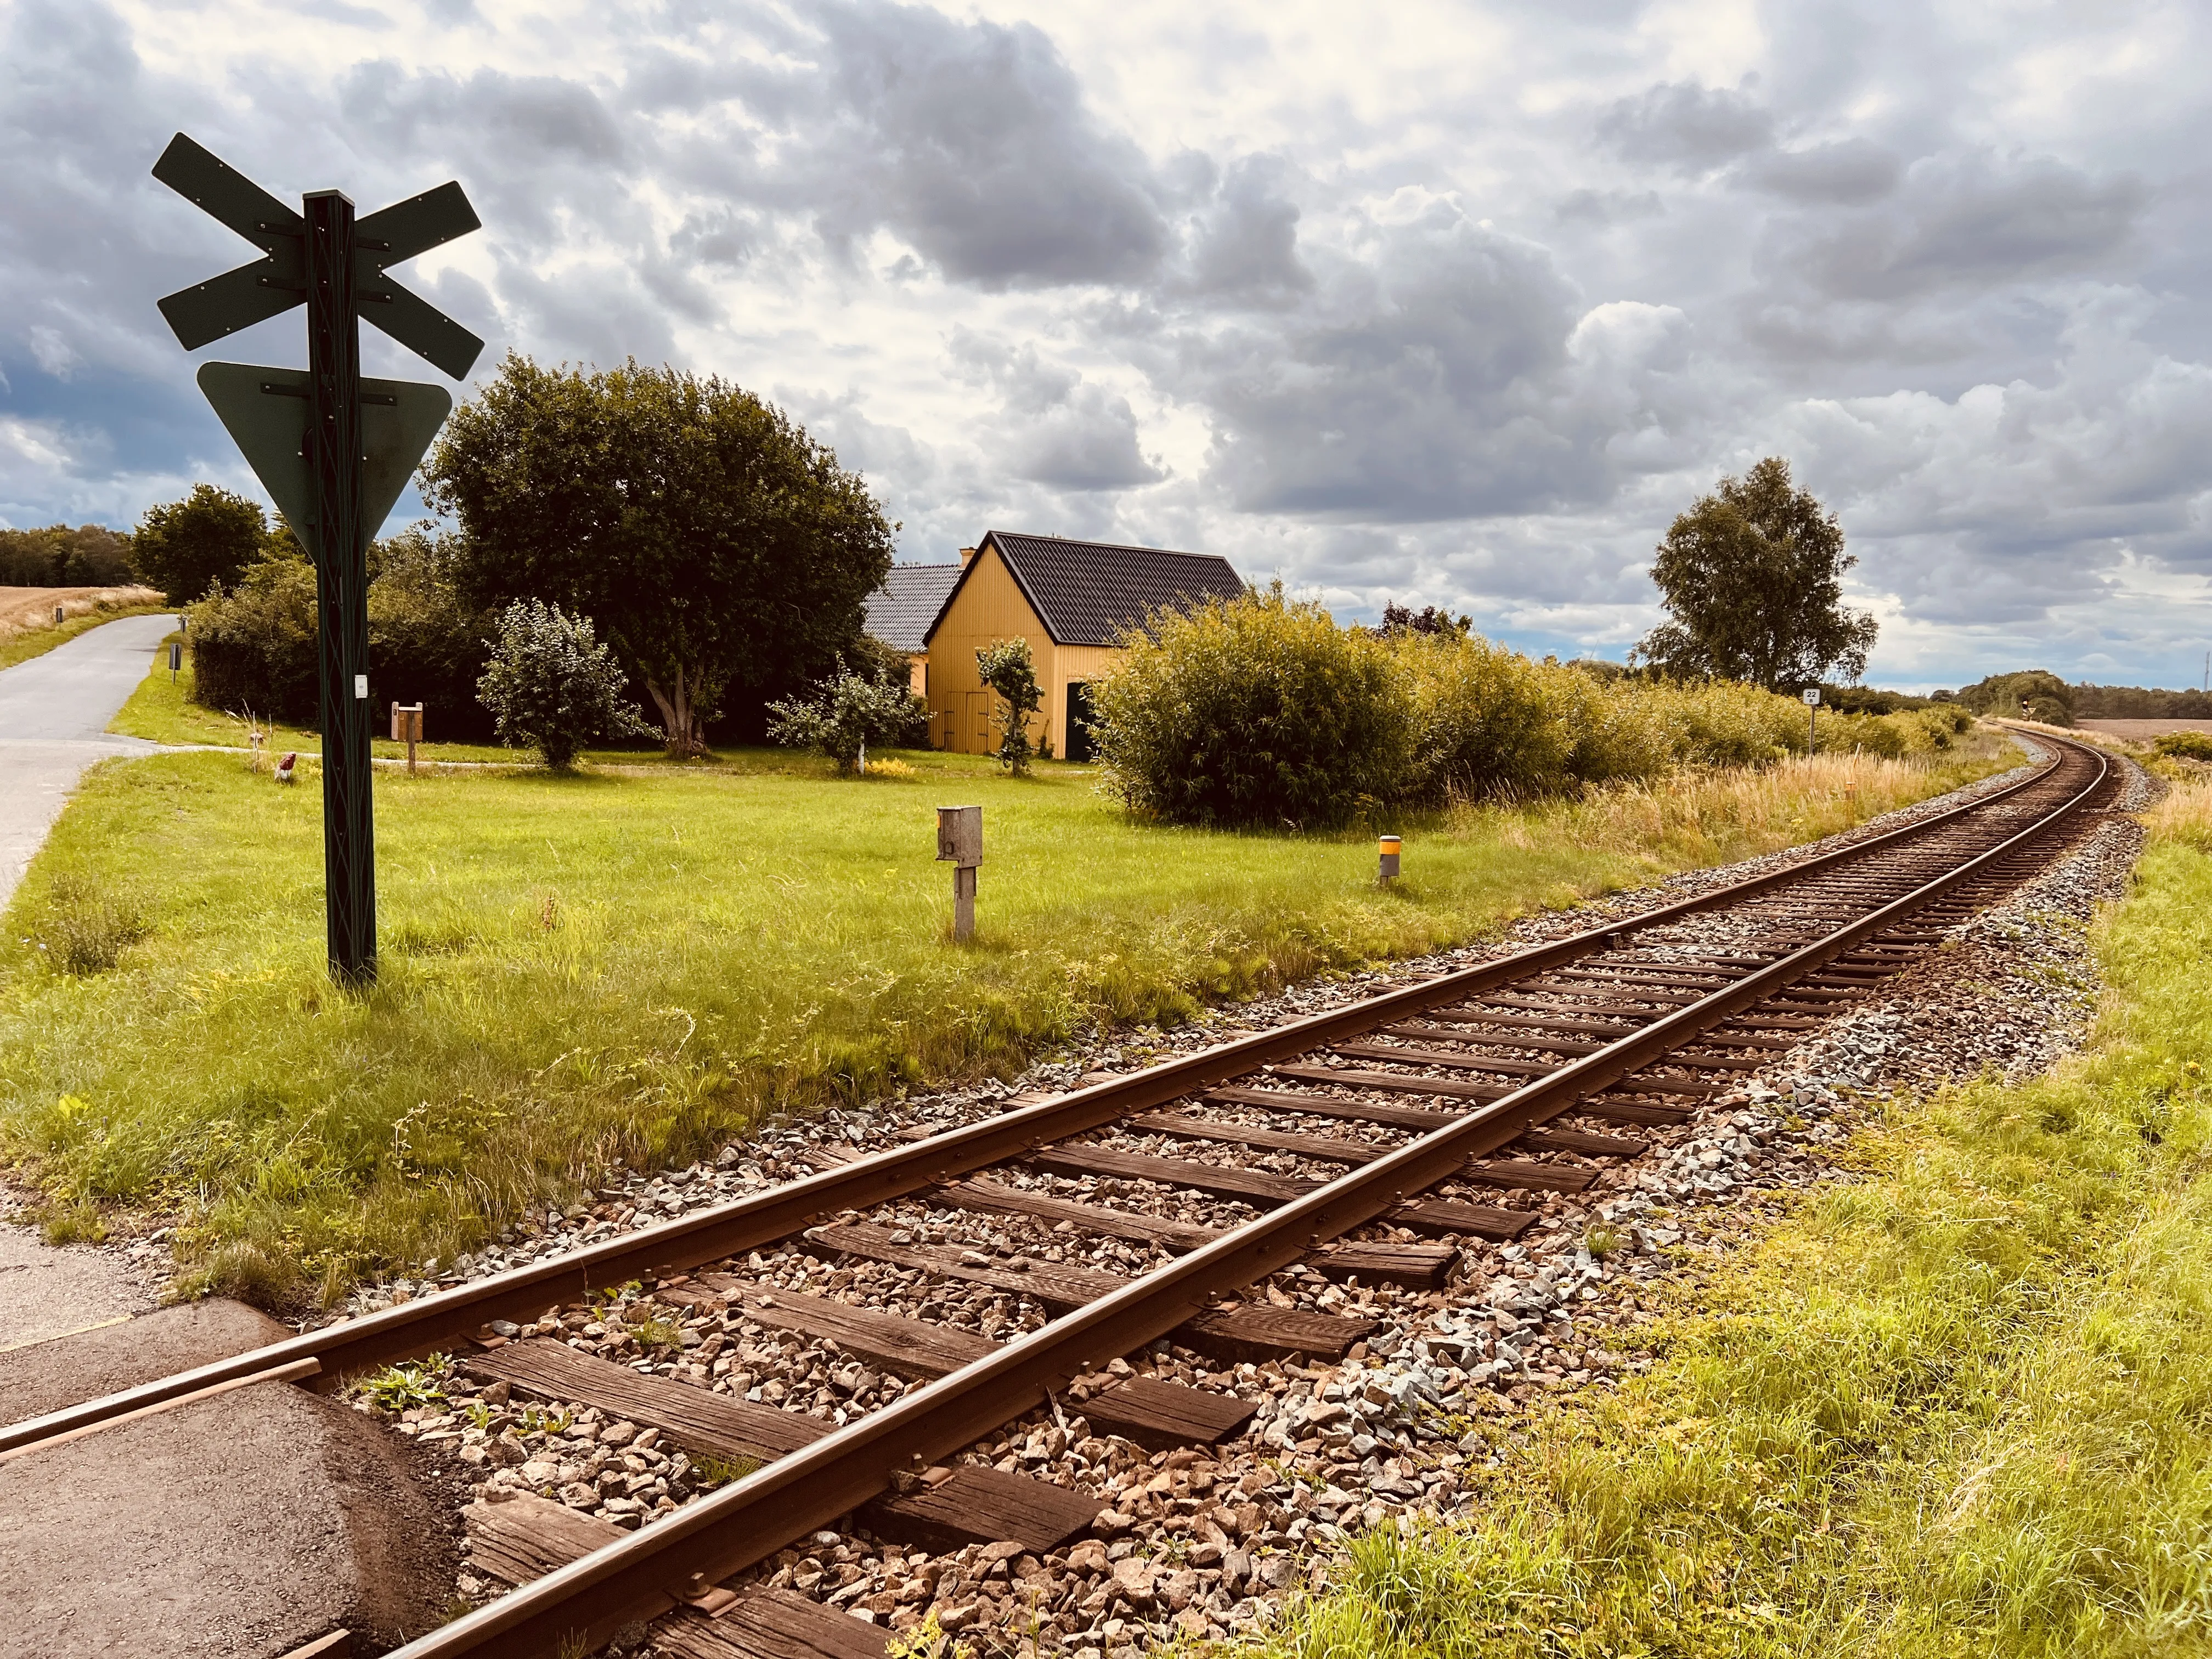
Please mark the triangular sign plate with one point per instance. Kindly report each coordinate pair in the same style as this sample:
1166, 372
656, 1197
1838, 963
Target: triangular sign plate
265, 411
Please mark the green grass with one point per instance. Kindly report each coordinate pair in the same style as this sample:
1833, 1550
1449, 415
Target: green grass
627, 966
1961, 1408
21, 645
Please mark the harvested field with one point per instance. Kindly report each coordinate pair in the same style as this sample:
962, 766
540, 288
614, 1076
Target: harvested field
2142, 730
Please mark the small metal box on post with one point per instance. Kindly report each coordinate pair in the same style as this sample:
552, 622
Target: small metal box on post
1390, 846
59, 614
176, 658
1812, 695
960, 843
407, 727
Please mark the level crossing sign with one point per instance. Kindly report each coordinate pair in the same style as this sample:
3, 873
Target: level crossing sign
333, 450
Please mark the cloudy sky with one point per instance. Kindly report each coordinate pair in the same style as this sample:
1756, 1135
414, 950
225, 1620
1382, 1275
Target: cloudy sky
1452, 304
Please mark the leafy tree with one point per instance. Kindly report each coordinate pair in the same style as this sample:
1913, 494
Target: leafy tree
1007, 669
847, 712
184, 548
552, 687
1752, 575
718, 546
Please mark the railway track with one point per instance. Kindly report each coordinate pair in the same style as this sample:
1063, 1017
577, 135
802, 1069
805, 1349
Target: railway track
1412, 1122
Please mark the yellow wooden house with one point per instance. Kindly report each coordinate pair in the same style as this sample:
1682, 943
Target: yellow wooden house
1070, 600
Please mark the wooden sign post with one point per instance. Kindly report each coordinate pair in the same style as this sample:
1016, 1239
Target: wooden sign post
960, 843
407, 728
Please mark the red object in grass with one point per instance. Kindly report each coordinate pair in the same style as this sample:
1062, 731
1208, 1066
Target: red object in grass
284, 767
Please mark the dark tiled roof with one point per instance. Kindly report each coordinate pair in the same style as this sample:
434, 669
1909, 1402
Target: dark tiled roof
1086, 592
904, 609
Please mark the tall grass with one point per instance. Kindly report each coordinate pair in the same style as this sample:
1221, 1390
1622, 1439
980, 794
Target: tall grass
1963, 1408
618, 967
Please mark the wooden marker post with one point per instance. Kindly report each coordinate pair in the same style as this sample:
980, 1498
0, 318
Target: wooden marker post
1391, 848
960, 843
407, 728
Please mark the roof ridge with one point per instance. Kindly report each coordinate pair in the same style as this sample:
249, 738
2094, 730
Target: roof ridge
1116, 547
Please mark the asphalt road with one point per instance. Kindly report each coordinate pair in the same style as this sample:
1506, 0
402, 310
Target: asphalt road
54, 711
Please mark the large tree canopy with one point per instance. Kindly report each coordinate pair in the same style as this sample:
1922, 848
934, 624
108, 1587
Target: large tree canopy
184, 548
1753, 578
712, 541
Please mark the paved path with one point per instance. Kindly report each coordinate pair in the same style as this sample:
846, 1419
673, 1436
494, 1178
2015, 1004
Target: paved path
54, 712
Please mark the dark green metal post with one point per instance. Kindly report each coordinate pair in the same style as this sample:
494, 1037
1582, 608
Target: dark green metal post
334, 471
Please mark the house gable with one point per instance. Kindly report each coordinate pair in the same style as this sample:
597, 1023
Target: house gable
1086, 593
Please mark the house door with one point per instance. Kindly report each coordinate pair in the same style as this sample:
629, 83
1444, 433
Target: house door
1080, 746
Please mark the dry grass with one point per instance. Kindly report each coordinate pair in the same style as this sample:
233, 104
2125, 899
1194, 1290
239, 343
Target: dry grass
2184, 816
27, 614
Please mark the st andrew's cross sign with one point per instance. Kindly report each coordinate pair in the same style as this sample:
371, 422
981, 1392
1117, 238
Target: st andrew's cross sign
333, 450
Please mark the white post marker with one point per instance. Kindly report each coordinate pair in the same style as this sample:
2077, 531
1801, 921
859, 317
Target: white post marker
1812, 695
960, 843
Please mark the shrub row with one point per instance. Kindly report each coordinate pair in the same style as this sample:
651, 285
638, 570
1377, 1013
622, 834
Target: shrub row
253, 643
1261, 710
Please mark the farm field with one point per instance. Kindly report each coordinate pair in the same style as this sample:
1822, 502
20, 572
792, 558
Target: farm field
2142, 731
630, 964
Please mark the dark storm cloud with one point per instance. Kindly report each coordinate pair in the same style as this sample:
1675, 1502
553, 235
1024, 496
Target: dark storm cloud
1691, 128
1423, 382
973, 142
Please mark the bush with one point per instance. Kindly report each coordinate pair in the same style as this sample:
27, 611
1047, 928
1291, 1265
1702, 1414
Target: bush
1486, 719
847, 712
551, 686
1416, 717
426, 643
2186, 745
1254, 710
254, 644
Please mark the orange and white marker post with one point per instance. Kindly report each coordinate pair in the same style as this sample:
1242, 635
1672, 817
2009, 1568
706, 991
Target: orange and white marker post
1390, 845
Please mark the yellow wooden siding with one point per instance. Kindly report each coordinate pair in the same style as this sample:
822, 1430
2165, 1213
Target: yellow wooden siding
988, 608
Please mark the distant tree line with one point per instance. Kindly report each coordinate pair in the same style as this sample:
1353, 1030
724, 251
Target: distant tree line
89, 555
2037, 694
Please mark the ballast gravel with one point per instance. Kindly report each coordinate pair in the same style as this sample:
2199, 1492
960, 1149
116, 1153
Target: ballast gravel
1209, 1543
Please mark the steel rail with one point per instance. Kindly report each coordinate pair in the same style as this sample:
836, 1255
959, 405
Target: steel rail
742, 1524
414, 1328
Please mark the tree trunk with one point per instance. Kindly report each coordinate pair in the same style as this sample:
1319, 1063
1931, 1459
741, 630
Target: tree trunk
686, 730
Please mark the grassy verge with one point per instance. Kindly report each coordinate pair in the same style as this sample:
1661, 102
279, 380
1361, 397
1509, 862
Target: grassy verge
28, 631
632, 965
162, 711
1962, 1408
